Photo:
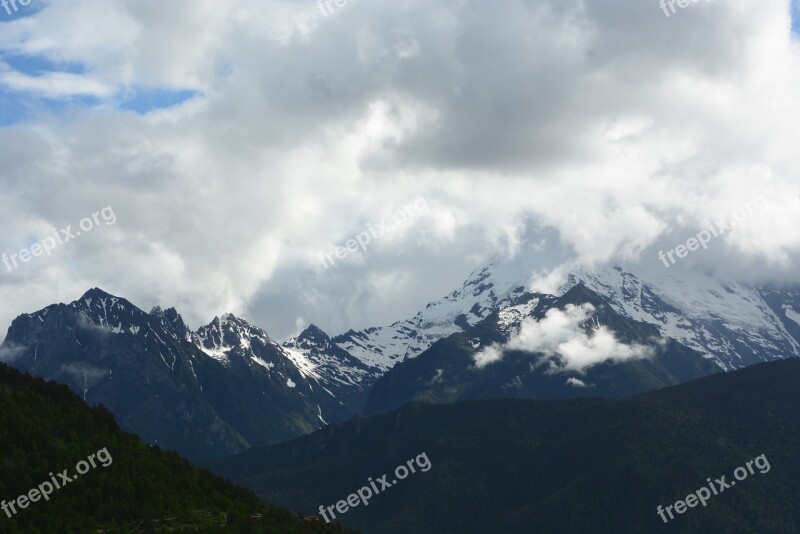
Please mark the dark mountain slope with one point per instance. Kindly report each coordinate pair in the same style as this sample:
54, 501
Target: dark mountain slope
46, 428
206, 394
595, 466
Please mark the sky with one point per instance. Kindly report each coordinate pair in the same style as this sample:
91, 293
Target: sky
236, 143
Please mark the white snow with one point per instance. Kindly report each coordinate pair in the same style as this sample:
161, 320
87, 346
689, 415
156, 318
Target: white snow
480, 295
218, 353
791, 314
714, 317
259, 361
735, 311
301, 361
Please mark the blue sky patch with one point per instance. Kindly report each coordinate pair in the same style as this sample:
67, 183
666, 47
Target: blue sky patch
17, 107
12, 10
144, 100
35, 65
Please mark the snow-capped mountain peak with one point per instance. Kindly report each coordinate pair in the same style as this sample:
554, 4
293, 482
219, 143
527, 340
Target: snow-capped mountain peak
338, 371
103, 310
728, 321
226, 333
732, 323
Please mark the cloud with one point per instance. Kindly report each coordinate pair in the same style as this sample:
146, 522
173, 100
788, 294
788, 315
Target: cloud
577, 382
85, 323
561, 339
55, 85
85, 374
606, 125
10, 351
488, 355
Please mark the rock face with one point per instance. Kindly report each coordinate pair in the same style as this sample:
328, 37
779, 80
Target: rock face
207, 394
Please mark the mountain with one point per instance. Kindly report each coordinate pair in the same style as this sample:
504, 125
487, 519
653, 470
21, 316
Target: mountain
581, 465
207, 393
734, 324
450, 371
383, 347
228, 386
125, 485
346, 377
731, 324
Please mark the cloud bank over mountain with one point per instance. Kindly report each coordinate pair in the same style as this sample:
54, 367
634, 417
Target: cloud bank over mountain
239, 140
564, 344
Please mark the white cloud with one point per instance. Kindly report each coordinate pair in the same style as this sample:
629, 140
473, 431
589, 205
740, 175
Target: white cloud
488, 355
576, 382
604, 123
561, 339
56, 85
10, 352
84, 374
